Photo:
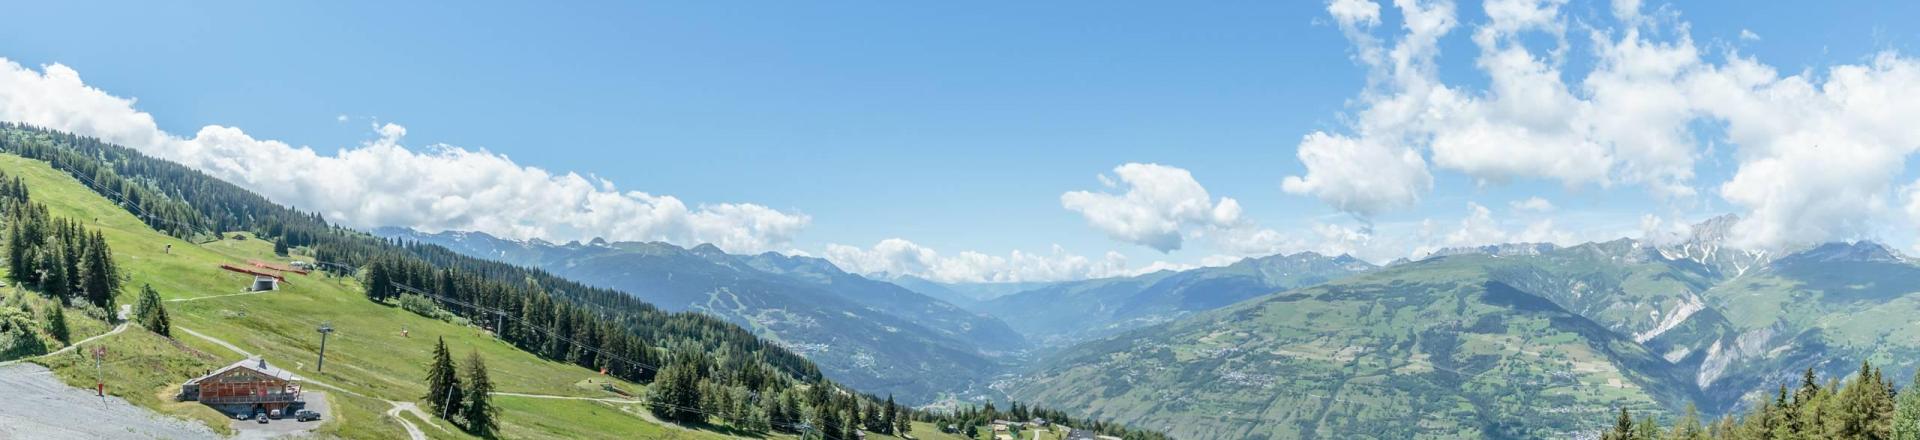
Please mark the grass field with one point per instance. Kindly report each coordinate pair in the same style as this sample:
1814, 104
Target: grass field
368, 354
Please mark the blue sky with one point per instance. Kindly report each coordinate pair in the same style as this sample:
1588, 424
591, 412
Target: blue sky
955, 126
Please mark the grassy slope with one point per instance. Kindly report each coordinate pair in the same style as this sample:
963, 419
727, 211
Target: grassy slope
367, 354
1395, 354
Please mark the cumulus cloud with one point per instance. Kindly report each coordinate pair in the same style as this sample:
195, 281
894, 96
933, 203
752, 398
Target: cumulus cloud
1630, 119
1819, 155
1159, 203
1663, 231
383, 183
1359, 175
1480, 228
902, 257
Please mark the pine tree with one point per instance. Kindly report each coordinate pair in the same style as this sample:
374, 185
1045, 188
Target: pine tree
151, 313
903, 421
53, 277
1906, 414
57, 324
852, 408
1646, 428
280, 246
675, 394
97, 277
827, 421
1622, 428
788, 419
889, 417
379, 282
771, 407
443, 382
480, 413
1688, 427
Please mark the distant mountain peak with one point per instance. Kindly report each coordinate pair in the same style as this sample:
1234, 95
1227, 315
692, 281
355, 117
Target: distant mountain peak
1496, 250
707, 249
1706, 243
1860, 251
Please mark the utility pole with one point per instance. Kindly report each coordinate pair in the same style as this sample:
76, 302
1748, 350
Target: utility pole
325, 328
446, 405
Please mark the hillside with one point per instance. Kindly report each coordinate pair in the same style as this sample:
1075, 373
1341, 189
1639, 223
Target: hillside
1488, 344
370, 364
1063, 313
1429, 349
869, 334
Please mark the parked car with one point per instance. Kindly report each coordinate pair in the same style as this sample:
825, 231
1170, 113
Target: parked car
275, 414
306, 416
262, 417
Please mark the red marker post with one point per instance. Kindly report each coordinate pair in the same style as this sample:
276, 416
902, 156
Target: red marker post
99, 375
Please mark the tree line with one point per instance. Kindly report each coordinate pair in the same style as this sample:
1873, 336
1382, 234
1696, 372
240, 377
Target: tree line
1865, 406
968, 421
63, 258
66, 261
693, 389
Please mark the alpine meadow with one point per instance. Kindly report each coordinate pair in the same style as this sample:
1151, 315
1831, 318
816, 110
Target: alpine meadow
867, 220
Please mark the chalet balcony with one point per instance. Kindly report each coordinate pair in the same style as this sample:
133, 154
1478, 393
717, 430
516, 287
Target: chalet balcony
252, 398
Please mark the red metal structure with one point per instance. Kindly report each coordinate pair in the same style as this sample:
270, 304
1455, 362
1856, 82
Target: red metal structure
266, 265
256, 272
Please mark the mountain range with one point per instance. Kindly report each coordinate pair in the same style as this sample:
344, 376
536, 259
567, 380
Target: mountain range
1498, 343
1060, 314
1503, 341
866, 333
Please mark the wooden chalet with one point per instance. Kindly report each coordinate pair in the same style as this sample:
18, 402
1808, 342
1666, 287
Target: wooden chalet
245, 387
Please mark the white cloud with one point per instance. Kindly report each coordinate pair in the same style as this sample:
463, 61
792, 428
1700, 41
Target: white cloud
901, 257
1360, 176
1663, 232
1355, 12
1159, 203
1819, 156
1748, 35
382, 183
1532, 204
1480, 228
1818, 153
341, 118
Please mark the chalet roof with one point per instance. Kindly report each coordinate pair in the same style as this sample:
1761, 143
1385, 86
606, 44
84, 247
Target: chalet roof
256, 364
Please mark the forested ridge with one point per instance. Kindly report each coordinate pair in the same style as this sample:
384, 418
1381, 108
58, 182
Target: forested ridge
702, 370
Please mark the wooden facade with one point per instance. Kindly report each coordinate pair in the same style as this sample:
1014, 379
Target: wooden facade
248, 385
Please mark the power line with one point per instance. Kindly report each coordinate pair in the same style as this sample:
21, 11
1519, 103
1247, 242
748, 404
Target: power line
524, 323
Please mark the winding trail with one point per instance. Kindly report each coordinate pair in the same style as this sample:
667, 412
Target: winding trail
116, 330
413, 431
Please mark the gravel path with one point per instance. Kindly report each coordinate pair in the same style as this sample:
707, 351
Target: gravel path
38, 406
116, 330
